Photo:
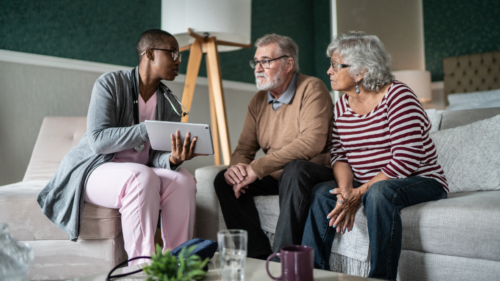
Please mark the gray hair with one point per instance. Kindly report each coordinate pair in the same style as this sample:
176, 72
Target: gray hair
286, 46
364, 53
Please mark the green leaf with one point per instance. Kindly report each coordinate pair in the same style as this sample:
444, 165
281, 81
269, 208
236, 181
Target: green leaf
185, 267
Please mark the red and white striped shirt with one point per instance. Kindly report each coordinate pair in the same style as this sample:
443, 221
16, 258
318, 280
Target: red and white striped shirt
392, 138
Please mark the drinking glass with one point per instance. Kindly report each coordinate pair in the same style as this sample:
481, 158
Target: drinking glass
232, 252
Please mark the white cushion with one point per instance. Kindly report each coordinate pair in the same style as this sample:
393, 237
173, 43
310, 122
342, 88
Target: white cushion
470, 155
474, 97
475, 104
435, 118
19, 208
56, 138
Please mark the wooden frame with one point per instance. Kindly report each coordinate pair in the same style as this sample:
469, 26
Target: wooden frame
208, 45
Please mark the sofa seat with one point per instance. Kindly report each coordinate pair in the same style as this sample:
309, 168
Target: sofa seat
19, 207
454, 226
100, 245
429, 227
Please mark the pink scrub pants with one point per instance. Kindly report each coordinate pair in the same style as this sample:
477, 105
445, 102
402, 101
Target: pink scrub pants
139, 192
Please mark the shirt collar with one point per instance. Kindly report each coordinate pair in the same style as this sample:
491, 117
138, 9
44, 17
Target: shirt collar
287, 96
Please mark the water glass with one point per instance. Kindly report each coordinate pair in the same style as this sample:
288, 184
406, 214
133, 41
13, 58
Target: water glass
232, 252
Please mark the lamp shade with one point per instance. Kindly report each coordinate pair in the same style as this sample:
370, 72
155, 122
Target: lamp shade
418, 80
227, 20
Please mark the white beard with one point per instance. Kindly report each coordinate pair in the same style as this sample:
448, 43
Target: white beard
275, 82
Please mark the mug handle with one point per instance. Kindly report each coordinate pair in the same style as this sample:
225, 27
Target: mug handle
267, 265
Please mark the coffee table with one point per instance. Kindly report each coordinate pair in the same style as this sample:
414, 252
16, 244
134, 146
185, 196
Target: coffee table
255, 270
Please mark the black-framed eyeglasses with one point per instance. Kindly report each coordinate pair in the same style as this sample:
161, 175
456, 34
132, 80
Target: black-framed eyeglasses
176, 56
264, 63
336, 66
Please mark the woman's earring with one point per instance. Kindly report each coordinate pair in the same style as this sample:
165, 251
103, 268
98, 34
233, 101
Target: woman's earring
357, 87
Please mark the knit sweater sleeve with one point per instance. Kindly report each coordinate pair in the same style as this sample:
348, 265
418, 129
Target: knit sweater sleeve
314, 122
407, 123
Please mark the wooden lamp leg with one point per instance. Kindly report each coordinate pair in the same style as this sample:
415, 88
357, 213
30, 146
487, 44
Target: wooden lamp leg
215, 79
213, 117
195, 55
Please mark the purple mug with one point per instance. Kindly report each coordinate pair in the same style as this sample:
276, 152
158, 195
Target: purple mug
296, 263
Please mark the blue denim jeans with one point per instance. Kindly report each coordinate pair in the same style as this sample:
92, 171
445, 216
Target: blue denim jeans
382, 202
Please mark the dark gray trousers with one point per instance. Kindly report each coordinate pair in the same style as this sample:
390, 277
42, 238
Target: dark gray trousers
294, 190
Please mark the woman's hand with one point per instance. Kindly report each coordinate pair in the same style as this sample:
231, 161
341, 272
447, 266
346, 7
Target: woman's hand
349, 199
182, 152
338, 210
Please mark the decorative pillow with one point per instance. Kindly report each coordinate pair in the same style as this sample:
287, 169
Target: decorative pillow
435, 118
481, 96
470, 155
475, 104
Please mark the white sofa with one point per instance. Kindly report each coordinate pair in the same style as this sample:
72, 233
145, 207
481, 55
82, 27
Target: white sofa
100, 245
457, 238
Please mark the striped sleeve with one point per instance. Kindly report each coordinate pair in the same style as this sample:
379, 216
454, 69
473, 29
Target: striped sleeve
337, 153
406, 120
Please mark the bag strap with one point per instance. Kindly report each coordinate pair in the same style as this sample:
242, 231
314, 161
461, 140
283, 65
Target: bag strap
109, 277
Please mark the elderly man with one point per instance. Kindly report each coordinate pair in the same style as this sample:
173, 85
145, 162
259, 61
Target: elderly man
288, 118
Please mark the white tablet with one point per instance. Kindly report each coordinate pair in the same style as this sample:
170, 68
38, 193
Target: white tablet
159, 135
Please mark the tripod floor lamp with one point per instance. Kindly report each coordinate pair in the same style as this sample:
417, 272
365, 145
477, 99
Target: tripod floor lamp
208, 23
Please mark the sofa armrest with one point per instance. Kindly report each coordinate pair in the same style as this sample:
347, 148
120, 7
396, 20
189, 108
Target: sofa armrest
207, 204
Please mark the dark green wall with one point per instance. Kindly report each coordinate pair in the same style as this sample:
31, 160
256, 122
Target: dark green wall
91, 30
106, 31
453, 28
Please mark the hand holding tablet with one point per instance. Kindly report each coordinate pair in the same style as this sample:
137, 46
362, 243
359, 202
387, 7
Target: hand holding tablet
183, 150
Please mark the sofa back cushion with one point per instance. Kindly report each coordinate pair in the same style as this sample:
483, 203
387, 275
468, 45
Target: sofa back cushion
56, 138
452, 119
469, 155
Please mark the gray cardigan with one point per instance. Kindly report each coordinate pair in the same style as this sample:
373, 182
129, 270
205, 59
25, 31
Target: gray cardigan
109, 130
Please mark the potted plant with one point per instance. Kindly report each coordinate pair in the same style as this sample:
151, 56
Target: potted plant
167, 267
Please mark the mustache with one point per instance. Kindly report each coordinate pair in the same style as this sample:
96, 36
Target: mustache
261, 74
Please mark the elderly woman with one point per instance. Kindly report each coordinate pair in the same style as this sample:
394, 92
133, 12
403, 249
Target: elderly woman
114, 165
382, 155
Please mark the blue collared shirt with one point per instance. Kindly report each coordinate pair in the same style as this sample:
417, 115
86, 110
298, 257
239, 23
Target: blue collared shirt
287, 96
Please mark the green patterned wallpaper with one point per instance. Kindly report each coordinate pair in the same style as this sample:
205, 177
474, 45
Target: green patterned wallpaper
106, 31
453, 28
92, 30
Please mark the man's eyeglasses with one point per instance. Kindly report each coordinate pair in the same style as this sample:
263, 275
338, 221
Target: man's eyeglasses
175, 53
336, 66
264, 63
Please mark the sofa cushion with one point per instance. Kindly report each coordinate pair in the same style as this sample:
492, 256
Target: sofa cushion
454, 226
448, 227
435, 118
452, 119
56, 138
20, 210
417, 266
469, 155
63, 260
473, 97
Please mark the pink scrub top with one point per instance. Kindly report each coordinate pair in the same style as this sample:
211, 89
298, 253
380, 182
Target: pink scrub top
147, 111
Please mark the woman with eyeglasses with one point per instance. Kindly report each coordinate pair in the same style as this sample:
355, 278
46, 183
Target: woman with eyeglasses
114, 165
381, 156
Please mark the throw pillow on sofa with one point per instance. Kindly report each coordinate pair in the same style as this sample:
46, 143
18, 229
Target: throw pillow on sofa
470, 155
435, 117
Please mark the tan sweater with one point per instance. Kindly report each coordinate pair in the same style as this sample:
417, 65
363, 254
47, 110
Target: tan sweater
299, 130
